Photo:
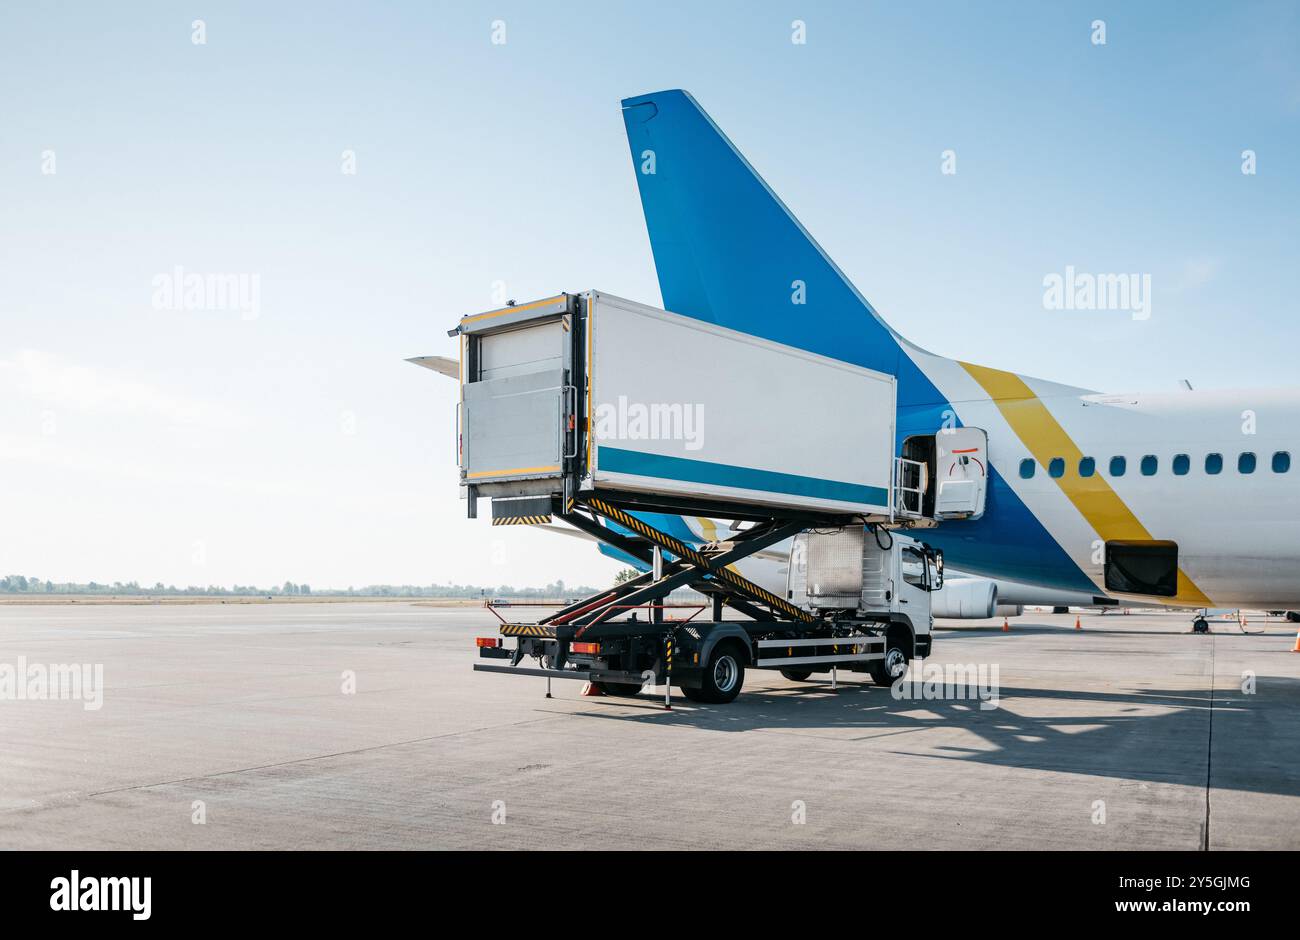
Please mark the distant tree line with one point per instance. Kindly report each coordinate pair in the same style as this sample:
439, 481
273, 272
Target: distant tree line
19, 584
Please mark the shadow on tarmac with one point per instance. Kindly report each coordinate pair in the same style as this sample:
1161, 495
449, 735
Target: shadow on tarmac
1251, 742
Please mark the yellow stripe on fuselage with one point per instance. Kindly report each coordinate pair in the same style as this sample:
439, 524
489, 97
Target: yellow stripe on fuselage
1100, 505
709, 529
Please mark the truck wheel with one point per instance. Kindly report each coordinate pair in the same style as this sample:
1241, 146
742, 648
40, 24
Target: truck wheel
624, 689
885, 671
797, 675
724, 674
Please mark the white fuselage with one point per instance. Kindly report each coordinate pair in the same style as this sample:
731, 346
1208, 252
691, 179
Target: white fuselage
1237, 532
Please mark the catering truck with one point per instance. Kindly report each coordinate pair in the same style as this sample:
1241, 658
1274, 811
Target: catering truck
618, 418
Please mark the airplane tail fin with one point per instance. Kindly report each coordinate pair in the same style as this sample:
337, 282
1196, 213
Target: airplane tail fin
728, 251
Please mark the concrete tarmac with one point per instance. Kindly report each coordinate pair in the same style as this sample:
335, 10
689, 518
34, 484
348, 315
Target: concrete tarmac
362, 726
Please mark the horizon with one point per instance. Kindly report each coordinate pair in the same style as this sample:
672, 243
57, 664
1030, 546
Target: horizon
43, 587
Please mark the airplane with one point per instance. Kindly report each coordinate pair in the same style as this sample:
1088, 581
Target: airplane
1183, 499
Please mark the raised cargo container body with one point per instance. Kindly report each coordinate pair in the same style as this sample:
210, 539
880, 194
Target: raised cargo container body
681, 406
591, 393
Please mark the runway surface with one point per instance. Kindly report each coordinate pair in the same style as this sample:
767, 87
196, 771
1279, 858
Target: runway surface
1128, 734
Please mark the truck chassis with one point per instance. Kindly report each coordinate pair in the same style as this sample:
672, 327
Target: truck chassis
593, 640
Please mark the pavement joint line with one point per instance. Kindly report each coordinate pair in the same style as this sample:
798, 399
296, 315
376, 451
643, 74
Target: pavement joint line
1209, 750
314, 757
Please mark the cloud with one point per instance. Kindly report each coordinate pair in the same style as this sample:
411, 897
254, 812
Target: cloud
50, 381
1196, 273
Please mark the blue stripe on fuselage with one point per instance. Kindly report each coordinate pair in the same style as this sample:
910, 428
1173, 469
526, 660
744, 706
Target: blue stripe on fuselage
1008, 541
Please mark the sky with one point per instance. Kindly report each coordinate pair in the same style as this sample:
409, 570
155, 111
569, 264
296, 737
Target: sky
280, 436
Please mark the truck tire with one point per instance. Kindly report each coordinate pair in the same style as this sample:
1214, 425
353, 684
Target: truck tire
724, 674
624, 689
797, 675
885, 671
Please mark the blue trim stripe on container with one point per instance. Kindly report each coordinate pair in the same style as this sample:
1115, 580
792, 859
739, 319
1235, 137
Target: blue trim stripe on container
634, 463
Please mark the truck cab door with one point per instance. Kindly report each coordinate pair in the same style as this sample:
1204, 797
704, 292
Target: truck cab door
914, 583
961, 473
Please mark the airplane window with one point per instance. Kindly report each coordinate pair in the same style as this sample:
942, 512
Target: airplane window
1027, 468
1087, 467
1246, 462
1056, 469
1150, 464
1213, 463
1117, 466
1281, 462
1182, 463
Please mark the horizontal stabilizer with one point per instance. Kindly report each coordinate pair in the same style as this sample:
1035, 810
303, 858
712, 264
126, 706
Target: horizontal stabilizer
448, 367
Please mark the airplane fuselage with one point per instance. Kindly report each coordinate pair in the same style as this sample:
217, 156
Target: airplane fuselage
1210, 471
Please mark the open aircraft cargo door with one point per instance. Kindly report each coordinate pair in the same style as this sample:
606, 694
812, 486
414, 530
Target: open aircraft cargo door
961, 473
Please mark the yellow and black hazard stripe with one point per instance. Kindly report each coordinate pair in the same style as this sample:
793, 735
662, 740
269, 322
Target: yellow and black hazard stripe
668, 653
767, 597
662, 539
521, 520
528, 629
686, 553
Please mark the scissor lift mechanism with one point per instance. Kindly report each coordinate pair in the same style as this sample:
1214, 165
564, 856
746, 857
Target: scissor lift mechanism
782, 634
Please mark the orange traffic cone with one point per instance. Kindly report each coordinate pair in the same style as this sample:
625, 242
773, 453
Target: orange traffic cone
1077, 624
1296, 648
1006, 627
591, 689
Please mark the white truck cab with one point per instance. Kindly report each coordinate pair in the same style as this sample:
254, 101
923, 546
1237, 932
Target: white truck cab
869, 575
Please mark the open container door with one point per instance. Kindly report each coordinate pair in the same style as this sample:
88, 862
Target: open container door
517, 399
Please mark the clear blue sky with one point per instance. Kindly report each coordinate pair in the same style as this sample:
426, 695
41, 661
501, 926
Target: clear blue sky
197, 446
